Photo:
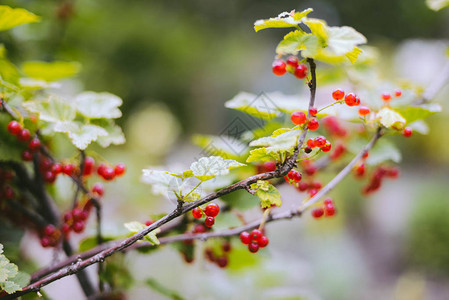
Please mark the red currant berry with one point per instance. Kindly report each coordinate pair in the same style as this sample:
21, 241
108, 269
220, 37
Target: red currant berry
120, 169
24, 135
253, 247
269, 166
298, 117
360, 170
49, 230
108, 173
148, 223
263, 241
302, 186
294, 175
197, 213
65, 229
320, 141
393, 173
386, 96
101, 169
307, 150
338, 94
98, 189
56, 168
89, 163
312, 192
255, 235
45, 242
34, 145
363, 110
199, 228
365, 155
226, 247
279, 67
397, 93
407, 132
317, 212
316, 185
78, 226
328, 201
350, 99
313, 124
311, 143
49, 177
68, 169
301, 71
292, 61
313, 111
14, 127
357, 101
209, 222
222, 262
8, 193
327, 147
212, 210
329, 210
76, 213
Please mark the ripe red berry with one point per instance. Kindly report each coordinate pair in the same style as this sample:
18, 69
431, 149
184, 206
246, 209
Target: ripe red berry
313, 192
360, 170
255, 235
269, 166
45, 241
253, 247
407, 132
49, 177
14, 127
34, 145
329, 209
8, 192
338, 94
197, 213
49, 230
209, 222
313, 111
279, 67
292, 61
120, 169
398, 93
302, 186
393, 173
386, 96
222, 262
350, 99
263, 241
294, 175
78, 226
98, 189
65, 228
148, 223
212, 210
301, 71
108, 173
363, 110
328, 201
101, 168
308, 149
327, 147
365, 155
226, 247
67, 169
76, 213
320, 141
89, 163
24, 135
357, 101
56, 168
245, 237
313, 124
311, 143
317, 212
298, 117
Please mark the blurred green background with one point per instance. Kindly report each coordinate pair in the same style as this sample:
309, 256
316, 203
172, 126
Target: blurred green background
176, 62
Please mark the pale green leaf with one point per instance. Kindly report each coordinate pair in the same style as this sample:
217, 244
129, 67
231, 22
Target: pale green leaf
209, 167
159, 180
319, 28
50, 71
281, 140
283, 20
98, 105
419, 126
267, 193
51, 110
135, 227
80, 134
255, 105
16, 283
36, 84
390, 118
115, 134
437, 4
262, 154
8, 71
413, 113
12, 17
224, 146
297, 40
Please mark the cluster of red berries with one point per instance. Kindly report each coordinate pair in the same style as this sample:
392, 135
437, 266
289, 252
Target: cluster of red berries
350, 99
319, 142
22, 134
222, 259
326, 209
75, 219
299, 118
387, 96
312, 188
108, 172
211, 211
255, 240
293, 176
377, 177
50, 236
334, 127
291, 65
340, 149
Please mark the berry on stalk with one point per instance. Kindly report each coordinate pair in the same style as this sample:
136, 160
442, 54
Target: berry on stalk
301, 71
298, 117
14, 127
212, 210
407, 132
279, 67
313, 124
338, 94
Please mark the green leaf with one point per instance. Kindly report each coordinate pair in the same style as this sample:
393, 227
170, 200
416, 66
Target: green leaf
419, 126
283, 20
135, 227
262, 154
414, 113
12, 17
159, 180
92, 241
437, 4
209, 167
8, 71
390, 118
297, 40
115, 134
98, 105
50, 71
16, 283
11, 280
267, 193
282, 140
254, 105
156, 286
224, 146
80, 134
51, 110
7, 269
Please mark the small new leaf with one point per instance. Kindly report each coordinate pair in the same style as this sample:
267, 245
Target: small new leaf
267, 193
209, 167
283, 20
12, 17
390, 118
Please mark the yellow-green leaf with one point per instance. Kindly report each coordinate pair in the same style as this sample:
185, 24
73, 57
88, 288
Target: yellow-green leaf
390, 118
267, 193
437, 4
283, 20
262, 154
12, 17
50, 71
